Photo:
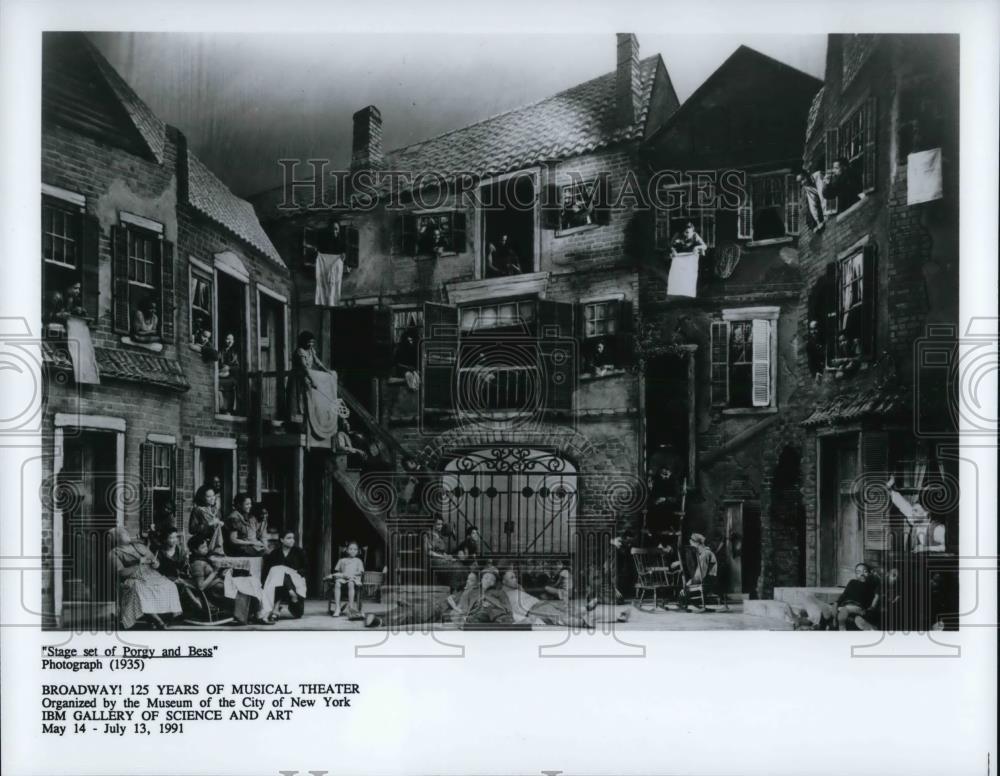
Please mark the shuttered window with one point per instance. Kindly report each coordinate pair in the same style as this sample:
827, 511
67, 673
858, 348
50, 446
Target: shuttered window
143, 276
743, 349
159, 465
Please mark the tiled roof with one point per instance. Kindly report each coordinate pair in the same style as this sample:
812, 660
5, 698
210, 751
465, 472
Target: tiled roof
848, 407
147, 123
116, 364
575, 121
814, 112
212, 198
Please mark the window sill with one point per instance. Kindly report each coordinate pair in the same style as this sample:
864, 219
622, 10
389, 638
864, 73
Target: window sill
152, 347
773, 241
589, 376
576, 230
231, 418
865, 197
733, 411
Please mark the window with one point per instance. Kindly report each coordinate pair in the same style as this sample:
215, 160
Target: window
158, 463
854, 142
582, 205
202, 318
770, 209
509, 235
922, 116
429, 234
62, 261
598, 319
404, 319
850, 318
234, 351
670, 222
335, 237
503, 315
604, 327
143, 281
743, 353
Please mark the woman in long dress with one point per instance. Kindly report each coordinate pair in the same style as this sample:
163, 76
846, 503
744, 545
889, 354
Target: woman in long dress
205, 521
299, 382
142, 590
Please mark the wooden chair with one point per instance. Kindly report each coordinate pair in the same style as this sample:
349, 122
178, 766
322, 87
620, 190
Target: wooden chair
653, 575
696, 590
359, 590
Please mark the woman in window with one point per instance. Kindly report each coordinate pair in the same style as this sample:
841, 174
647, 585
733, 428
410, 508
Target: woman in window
146, 321
142, 590
229, 369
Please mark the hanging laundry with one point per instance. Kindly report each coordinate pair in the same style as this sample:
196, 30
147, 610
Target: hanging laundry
81, 350
329, 276
923, 176
683, 277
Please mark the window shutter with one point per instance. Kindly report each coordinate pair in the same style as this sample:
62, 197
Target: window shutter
869, 307
166, 290
551, 206
832, 148
793, 205
744, 215
555, 328
440, 353
352, 238
868, 167
761, 363
720, 363
119, 271
177, 481
624, 334
831, 301
458, 236
875, 465
90, 260
146, 487
409, 232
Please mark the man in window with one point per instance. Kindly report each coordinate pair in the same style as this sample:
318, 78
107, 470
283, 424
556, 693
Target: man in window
502, 259
575, 211
842, 183
431, 240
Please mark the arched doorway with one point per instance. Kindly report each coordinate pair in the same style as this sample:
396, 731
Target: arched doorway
522, 500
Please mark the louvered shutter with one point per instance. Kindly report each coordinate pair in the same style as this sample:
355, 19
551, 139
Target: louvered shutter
119, 271
720, 363
146, 487
555, 346
177, 481
166, 290
440, 353
761, 363
875, 465
832, 148
90, 258
868, 165
744, 214
793, 206
869, 307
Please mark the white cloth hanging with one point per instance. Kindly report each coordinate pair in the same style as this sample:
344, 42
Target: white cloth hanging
329, 276
683, 277
923, 176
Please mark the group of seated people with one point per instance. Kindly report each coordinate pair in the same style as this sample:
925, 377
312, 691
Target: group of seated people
233, 568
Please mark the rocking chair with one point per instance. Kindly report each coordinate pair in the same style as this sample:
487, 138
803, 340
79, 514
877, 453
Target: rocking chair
654, 574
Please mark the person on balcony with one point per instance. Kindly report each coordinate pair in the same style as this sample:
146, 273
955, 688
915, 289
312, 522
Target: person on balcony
229, 369
304, 391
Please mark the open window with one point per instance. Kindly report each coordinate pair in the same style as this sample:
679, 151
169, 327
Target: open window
272, 355
851, 309
234, 349
336, 237
69, 261
923, 116
201, 283
429, 234
508, 233
143, 282
744, 355
770, 208
605, 335
582, 204
692, 204
159, 464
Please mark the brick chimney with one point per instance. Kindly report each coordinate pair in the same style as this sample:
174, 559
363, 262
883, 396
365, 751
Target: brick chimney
627, 85
366, 147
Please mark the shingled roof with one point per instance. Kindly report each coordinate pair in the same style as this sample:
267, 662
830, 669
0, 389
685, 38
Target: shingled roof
814, 112
212, 198
119, 364
848, 407
576, 121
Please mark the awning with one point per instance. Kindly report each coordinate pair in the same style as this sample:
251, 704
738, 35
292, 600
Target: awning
116, 364
852, 407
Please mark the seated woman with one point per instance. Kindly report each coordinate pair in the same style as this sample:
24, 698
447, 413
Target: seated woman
204, 520
142, 591
349, 572
146, 321
173, 560
223, 588
284, 574
241, 536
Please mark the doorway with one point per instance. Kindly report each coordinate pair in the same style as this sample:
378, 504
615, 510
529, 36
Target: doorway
86, 496
743, 547
670, 412
509, 210
217, 462
841, 538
